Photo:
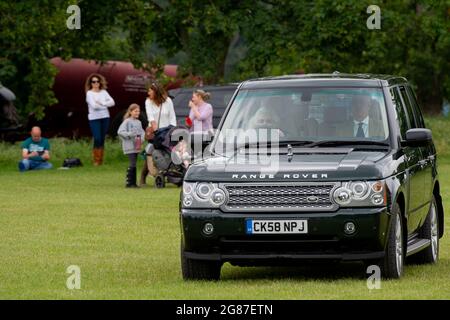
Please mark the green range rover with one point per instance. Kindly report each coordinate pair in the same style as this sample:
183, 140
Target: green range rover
331, 167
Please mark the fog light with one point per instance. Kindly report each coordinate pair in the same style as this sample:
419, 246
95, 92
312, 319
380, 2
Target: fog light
349, 228
208, 229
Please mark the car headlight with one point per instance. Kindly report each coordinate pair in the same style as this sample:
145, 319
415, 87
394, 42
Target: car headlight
188, 188
203, 190
218, 197
202, 195
342, 196
187, 200
361, 194
360, 189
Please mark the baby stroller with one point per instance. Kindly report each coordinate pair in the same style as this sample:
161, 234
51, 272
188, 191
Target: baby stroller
170, 156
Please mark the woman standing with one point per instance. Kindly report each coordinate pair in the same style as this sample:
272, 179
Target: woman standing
132, 135
160, 114
98, 100
201, 112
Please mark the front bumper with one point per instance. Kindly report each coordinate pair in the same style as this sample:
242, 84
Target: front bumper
326, 238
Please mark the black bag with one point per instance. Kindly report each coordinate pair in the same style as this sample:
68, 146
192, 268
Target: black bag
72, 162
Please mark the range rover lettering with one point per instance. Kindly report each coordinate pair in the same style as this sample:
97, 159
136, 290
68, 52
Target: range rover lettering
352, 177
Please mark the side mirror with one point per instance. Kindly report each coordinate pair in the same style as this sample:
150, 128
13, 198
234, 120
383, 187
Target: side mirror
417, 137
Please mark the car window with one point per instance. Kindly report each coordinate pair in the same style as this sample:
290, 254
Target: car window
180, 104
182, 100
313, 114
416, 108
402, 118
408, 107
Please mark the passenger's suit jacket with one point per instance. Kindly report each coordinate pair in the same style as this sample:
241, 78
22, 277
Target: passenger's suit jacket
375, 129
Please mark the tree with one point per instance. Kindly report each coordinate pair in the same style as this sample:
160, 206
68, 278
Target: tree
276, 37
329, 35
203, 30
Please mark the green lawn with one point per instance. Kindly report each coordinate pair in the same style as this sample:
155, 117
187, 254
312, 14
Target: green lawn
126, 243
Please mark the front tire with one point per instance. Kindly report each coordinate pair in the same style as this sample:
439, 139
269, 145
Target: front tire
430, 231
199, 269
394, 260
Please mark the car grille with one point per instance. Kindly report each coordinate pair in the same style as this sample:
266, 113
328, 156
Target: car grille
280, 197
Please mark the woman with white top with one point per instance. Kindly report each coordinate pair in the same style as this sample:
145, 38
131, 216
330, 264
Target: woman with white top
98, 100
160, 114
159, 102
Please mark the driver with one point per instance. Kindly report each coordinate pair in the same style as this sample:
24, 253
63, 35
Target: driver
266, 118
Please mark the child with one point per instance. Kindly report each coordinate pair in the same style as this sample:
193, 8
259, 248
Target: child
132, 134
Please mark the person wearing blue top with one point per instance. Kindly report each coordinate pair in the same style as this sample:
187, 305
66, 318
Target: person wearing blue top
35, 152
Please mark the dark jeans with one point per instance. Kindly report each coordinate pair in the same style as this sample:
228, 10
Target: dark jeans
99, 130
132, 158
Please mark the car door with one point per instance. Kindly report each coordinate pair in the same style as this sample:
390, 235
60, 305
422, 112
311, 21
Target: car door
428, 155
412, 158
417, 166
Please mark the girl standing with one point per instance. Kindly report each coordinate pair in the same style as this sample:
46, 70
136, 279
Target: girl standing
132, 134
98, 100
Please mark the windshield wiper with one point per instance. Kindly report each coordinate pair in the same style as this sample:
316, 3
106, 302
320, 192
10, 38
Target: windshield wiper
345, 142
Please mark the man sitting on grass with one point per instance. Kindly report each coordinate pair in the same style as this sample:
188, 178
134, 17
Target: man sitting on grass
35, 152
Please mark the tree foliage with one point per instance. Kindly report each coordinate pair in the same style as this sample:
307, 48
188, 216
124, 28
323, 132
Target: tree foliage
201, 29
32, 32
329, 35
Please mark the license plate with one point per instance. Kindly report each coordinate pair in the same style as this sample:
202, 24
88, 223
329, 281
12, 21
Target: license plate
276, 226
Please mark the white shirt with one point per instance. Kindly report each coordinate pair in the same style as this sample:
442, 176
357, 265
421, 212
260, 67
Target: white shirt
365, 126
98, 104
167, 113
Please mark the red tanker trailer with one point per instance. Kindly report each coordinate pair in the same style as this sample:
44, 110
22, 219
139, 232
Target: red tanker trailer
126, 85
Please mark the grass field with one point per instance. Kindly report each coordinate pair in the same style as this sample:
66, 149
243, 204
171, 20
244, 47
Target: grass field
126, 242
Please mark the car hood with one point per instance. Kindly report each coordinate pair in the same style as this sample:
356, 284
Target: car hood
318, 164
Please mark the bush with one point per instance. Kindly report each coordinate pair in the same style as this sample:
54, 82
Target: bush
440, 127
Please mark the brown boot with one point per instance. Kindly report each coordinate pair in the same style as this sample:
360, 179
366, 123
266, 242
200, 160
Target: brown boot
101, 152
144, 174
96, 156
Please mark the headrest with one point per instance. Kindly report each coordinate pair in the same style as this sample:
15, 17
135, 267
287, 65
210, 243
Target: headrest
335, 114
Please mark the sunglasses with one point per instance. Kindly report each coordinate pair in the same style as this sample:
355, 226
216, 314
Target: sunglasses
95, 81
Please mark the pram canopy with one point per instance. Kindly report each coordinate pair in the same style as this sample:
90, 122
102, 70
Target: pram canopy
168, 137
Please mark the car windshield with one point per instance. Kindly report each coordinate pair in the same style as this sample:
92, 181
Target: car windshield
311, 116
